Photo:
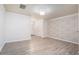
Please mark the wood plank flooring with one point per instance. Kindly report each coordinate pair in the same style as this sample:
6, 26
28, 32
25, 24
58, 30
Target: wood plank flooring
40, 46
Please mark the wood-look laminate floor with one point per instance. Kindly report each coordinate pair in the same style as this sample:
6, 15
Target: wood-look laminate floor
40, 46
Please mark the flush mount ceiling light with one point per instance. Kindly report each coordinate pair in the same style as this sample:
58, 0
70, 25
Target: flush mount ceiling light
41, 9
42, 12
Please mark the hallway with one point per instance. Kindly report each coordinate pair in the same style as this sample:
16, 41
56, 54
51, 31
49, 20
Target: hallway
38, 45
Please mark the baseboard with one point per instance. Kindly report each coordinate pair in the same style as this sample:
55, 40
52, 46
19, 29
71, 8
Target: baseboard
63, 40
17, 40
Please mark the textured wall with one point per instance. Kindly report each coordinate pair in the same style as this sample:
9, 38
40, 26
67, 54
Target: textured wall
63, 28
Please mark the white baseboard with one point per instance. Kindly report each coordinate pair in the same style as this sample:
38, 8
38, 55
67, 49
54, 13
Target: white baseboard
17, 40
63, 40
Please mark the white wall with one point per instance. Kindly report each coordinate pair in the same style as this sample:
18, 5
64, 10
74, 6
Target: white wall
78, 25
37, 27
45, 29
2, 16
63, 28
18, 27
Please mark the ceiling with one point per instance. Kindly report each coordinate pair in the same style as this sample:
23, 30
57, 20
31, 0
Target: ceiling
50, 10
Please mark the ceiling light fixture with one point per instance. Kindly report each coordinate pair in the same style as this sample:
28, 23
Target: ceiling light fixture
42, 13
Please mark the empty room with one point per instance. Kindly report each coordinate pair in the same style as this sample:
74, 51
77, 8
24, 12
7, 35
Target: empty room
39, 29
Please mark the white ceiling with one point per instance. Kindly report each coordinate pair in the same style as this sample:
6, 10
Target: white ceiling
51, 10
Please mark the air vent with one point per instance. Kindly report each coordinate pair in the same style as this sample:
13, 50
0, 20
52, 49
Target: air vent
22, 6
